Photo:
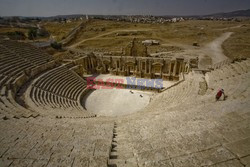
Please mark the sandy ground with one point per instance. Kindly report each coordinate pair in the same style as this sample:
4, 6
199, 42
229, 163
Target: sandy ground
116, 102
105, 34
214, 49
208, 54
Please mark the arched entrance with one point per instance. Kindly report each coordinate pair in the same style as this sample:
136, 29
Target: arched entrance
106, 66
157, 70
130, 68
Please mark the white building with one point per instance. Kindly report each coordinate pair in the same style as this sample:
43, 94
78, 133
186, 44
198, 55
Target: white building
151, 42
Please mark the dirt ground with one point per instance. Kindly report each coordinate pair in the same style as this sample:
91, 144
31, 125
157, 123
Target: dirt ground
116, 102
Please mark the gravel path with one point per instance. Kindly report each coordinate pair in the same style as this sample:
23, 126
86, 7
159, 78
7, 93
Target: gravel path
214, 48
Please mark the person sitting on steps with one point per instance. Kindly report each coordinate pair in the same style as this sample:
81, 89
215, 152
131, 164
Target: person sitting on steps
219, 94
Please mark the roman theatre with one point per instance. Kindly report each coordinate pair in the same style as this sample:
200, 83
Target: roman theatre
129, 109
133, 62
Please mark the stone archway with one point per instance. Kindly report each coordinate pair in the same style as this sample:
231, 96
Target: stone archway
157, 70
130, 68
106, 66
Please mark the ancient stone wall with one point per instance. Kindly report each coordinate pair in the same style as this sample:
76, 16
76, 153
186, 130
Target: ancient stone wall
136, 49
136, 62
143, 67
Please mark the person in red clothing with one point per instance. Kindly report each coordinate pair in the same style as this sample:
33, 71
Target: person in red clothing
219, 94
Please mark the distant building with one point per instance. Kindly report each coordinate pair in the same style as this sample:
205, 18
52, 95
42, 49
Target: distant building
136, 49
151, 42
174, 20
68, 21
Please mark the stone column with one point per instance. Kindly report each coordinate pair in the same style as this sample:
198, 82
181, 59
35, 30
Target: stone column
89, 66
186, 67
140, 66
161, 71
175, 66
128, 70
116, 66
92, 64
181, 66
150, 66
169, 67
123, 69
136, 70
88, 63
83, 63
120, 65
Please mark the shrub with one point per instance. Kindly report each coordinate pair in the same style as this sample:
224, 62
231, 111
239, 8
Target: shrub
32, 34
56, 45
42, 33
17, 35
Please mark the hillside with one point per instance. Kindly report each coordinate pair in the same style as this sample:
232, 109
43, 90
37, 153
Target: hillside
238, 13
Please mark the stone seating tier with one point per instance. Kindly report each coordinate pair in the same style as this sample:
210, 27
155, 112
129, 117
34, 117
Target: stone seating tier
58, 91
17, 60
189, 129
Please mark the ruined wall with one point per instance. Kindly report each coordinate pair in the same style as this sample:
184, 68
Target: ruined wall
136, 49
142, 67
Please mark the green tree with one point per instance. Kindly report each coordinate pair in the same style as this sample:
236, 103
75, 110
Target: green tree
32, 34
42, 32
57, 46
17, 35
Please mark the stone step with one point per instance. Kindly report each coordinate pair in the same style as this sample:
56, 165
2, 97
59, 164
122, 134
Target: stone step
122, 163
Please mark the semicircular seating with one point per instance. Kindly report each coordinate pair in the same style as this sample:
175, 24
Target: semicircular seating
180, 127
59, 90
228, 78
19, 62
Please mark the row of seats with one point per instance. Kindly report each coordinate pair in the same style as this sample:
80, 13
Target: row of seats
55, 142
60, 90
197, 131
179, 93
17, 59
27, 52
225, 77
10, 108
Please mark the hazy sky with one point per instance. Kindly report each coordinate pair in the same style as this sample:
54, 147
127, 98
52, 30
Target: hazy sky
152, 7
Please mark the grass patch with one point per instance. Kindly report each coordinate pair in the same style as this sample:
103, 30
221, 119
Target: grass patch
238, 46
5, 30
60, 30
102, 34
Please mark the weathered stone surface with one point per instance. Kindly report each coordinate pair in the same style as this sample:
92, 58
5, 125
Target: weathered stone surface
245, 161
153, 156
230, 163
98, 161
57, 143
60, 159
40, 163
23, 163
5, 162
240, 148
81, 161
178, 127
204, 158
102, 147
163, 163
42, 151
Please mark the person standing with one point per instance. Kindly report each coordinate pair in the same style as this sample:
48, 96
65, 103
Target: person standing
219, 94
